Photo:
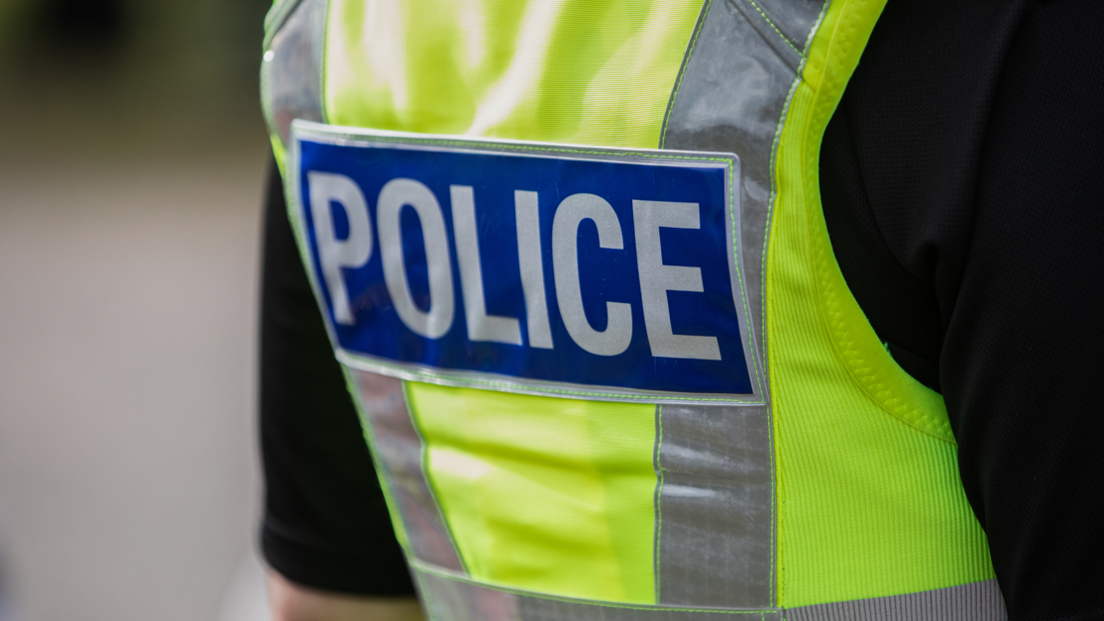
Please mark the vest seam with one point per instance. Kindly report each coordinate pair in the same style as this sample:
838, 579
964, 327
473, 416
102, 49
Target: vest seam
777, 587
776, 538
424, 463
658, 501
373, 366
816, 24
767, 19
322, 64
775, 596
275, 19
778, 582
522, 147
682, 71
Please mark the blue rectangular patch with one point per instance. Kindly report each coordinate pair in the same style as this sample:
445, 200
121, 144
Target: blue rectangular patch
527, 267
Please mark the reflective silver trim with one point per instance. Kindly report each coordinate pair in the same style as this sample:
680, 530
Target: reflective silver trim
291, 74
399, 453
275, 17
715, 499
793, 20
980, 601
731, 97
338, 135
715, 508
786, 49
452, 598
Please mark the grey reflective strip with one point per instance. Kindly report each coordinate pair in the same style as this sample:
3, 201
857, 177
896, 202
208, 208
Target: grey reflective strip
715, 499
769, 32
275, 17
451, 598
731, 97
793, 19
715, 509
399, 453
980, 601
292, 71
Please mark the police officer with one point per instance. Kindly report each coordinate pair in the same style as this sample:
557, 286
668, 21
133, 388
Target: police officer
602, 380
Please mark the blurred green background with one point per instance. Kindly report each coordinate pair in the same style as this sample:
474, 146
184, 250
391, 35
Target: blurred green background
132, 157
145, 70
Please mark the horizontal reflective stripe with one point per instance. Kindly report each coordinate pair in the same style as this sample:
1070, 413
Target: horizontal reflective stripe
980, 601
452, 598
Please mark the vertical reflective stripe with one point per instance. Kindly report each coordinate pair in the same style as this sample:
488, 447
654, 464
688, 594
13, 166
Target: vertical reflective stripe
291, 76
715, 502
399, 452
715, 508
731, 97
979, 601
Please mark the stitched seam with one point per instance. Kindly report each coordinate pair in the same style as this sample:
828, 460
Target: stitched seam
463, 381
864, 376
770, 220
861, 372
736, 233
658, 499
682, 71
816, 25
407, 401
275, 18
775, 29
777, 521
520, 147
426, 568
323, 69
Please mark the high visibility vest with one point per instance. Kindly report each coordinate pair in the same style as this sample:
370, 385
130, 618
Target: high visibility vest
793, 470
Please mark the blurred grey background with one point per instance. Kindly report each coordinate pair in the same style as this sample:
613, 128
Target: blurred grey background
132, 154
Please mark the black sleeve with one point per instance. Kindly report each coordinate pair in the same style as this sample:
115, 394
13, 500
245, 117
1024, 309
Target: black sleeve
325, 521
963, 184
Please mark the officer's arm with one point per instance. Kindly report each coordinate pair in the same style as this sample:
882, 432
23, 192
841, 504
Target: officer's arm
293, 602
325, 521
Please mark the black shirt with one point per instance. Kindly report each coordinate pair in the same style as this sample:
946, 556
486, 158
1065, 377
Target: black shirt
962, 178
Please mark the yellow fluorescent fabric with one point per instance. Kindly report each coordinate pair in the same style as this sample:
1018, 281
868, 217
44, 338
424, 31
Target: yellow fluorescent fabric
870, 503
578, 71
552, 495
